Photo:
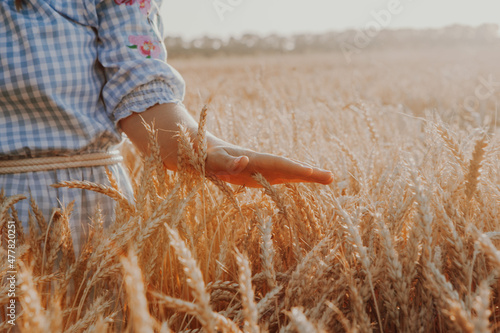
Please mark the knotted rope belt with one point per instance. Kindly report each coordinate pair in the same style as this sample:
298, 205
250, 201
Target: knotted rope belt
59, 162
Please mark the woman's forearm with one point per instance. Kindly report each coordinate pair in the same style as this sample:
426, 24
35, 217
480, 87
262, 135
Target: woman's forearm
166, 118
229, 162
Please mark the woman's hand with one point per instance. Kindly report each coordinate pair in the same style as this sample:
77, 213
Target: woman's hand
236, 165
228, 162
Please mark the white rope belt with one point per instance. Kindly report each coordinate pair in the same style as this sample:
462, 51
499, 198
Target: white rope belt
59, 162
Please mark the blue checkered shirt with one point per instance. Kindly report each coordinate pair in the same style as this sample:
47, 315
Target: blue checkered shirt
69, 71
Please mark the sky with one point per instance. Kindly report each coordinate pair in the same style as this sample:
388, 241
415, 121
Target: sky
224, 18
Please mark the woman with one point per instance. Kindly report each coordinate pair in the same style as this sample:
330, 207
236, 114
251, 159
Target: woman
76, 74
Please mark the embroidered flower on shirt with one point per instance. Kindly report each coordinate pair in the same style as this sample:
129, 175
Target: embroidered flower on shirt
127, 2
149, 47
145, 6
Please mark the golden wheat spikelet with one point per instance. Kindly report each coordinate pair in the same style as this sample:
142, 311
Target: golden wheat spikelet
471, 179
140, 319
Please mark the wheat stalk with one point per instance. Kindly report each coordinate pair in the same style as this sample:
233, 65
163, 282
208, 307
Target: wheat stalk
134, 285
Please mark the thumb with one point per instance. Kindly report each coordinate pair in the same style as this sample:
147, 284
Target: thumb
221, 163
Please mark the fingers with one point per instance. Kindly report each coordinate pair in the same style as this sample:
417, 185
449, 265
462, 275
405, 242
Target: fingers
286, 168
321, 176
238, 165
318, 175
279, 170
219, 162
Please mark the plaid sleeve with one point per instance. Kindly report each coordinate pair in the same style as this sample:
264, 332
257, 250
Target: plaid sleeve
133, 54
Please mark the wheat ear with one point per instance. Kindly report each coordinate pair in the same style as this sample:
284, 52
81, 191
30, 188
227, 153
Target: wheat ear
247, 294
474, 166
106, 190
194, 279
134, 286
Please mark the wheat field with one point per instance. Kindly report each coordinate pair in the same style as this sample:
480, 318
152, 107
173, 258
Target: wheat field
404, 240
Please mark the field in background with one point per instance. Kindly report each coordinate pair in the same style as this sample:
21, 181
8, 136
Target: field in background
404, 240
485, 35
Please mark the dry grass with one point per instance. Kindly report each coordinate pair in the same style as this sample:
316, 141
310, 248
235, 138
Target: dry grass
405, 240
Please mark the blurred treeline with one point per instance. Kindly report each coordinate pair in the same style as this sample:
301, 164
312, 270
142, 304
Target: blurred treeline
249, 44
